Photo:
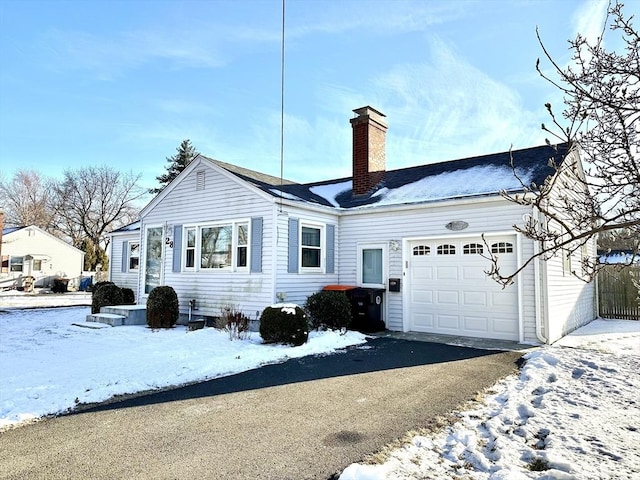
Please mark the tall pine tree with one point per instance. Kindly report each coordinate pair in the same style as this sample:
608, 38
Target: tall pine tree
185, 153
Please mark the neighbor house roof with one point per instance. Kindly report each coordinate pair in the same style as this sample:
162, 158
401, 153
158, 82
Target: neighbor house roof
132, 227
619, 257
8, 230
469, 177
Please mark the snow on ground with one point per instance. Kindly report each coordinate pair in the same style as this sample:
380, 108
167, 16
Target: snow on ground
50, 360
573, 412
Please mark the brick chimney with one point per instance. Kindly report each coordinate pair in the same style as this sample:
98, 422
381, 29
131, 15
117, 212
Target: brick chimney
369, 134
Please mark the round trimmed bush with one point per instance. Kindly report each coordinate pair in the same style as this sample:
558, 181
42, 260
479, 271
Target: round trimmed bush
329, 310
162, 307
128, 296
284, 323
105, 295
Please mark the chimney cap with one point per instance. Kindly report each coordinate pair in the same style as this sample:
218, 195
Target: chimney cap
367, 110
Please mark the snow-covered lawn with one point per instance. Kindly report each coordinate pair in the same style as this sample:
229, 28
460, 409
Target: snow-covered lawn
573, 412
49, 364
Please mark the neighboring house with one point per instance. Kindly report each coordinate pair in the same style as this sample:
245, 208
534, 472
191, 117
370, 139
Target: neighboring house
30, 251
619, 257
225, 235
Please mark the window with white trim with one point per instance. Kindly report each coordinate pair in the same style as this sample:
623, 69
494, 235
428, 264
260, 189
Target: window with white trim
211, 247
371, 267
502, 247
16, 264
134, 256
472, 248
446, 249
311, 247
190, 248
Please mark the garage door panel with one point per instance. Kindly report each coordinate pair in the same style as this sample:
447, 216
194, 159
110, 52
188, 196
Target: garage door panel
448, 322
450, 297
422, 296
476, 324
423, 321
447, 272
451, 294
473, 273
475, 299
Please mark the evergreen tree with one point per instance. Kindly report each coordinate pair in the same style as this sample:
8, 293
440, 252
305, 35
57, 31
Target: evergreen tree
176, 164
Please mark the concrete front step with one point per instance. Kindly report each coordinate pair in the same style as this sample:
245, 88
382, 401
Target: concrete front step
133, 314
108, 318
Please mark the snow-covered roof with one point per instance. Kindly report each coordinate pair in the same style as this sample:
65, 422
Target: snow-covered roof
132, 227
619, 257
509, 171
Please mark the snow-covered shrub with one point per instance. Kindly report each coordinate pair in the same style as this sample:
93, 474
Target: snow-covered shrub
105, 294
234, 322
284, 323
162, 307
328, 310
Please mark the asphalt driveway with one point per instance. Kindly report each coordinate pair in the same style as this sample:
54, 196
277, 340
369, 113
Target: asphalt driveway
307, 418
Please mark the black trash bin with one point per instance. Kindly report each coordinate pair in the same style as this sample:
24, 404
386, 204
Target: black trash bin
366, 307
60, 285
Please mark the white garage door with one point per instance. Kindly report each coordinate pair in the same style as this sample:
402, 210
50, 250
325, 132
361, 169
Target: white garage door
451, 294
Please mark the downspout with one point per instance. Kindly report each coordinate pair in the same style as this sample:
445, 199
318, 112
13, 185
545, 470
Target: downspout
537, 286
520, 292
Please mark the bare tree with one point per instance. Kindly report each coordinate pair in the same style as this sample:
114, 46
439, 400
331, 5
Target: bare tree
600, 123
25, 200
91, 201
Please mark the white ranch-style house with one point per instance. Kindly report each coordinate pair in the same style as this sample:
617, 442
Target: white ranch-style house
222, 235
33, 257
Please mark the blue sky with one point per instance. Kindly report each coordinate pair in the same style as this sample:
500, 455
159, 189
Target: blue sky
122, 83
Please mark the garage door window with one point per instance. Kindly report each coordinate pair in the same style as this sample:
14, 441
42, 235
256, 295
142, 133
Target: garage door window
472, 248
446, 250
502, 247
420, 250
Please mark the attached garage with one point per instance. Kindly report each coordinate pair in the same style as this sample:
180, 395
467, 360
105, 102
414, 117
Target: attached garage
450, 293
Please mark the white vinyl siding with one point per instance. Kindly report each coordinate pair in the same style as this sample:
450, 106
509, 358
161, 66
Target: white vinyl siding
223, 200
119, 252
428, 221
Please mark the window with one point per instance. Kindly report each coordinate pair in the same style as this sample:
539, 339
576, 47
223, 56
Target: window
153, 261
134, 256
242, 242
371, 267
37, 265
216, 247
421, 250
190, 249
15, 264
502, 247
446, 250
471, 248
311, 247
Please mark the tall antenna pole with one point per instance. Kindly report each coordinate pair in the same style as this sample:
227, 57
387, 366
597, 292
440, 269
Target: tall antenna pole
282, 106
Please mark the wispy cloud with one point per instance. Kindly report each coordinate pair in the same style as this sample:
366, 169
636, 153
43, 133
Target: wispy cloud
588, 19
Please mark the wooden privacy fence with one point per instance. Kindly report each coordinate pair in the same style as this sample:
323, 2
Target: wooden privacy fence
618, 294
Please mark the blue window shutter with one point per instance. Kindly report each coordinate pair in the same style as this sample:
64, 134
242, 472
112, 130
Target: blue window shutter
293, 245
177, 248
256, 245
331, 248
125, 256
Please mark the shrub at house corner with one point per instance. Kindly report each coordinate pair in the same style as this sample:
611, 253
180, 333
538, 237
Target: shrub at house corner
284, 323
162, 307
329, 310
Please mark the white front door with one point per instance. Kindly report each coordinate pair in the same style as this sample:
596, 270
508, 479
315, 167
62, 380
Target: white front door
451, 294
